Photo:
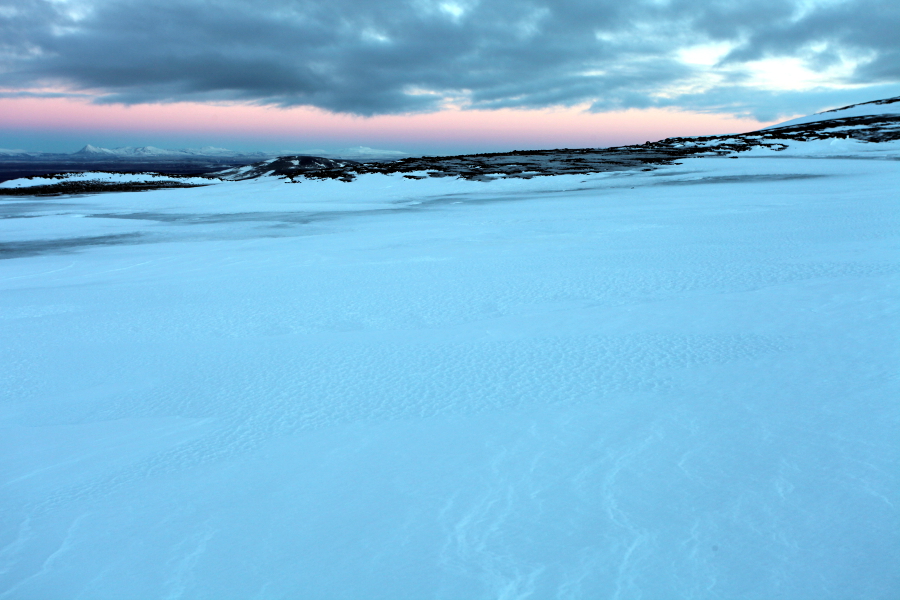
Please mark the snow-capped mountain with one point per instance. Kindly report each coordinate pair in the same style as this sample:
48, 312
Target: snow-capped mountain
153, 152
366, 153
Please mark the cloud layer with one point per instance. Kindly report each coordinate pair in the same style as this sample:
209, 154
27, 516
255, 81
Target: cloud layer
399, 56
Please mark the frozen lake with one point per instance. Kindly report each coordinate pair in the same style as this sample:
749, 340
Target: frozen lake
671, 384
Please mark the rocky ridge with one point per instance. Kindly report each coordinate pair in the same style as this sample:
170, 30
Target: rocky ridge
532, 163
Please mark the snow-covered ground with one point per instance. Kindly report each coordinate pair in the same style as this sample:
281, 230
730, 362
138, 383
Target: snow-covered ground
100, 177
828, 148
671, 384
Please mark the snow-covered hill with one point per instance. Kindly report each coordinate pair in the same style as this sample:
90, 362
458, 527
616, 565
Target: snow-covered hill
889, 107
290, 167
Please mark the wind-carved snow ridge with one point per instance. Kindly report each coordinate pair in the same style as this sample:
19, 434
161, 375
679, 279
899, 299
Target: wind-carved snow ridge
671, 378
475, 547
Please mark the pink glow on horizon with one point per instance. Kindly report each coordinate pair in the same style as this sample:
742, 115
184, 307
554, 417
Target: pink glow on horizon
298, 127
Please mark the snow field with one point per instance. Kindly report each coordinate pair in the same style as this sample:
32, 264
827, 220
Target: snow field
672, 384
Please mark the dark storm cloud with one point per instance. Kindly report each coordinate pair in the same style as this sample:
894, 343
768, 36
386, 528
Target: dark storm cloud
395, 56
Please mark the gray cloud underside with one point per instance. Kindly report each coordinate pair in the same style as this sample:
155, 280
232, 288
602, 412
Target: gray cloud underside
397, 56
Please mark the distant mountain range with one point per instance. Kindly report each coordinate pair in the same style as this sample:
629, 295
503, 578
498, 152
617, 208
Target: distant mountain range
151, 153
154, 153
130, 153
15, 164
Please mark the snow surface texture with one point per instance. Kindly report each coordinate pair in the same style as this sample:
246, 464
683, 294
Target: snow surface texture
669, 384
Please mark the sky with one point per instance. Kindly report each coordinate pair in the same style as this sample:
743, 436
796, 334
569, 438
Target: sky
429, 76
